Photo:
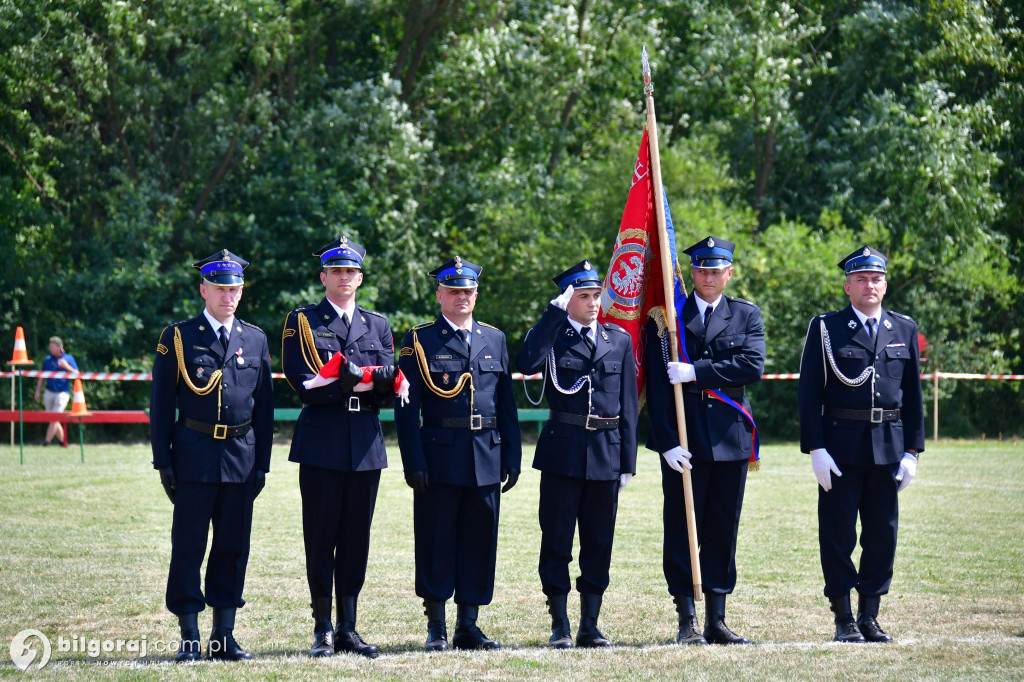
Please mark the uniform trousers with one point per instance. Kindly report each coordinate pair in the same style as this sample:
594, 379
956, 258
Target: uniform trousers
717, 501
228, 506
337, 510
456, 540
564, 502
869, 490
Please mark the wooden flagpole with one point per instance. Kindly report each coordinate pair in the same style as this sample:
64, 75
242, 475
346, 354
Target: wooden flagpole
670, 317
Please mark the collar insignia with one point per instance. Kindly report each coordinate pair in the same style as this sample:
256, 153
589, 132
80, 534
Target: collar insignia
887, 323
852, 324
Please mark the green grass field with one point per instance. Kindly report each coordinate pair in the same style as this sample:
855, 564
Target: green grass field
85, 550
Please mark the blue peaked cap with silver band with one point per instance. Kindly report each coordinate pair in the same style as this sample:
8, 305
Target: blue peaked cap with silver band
457, 274
341, 253
580, 276
222, 269
864, 259
711, 253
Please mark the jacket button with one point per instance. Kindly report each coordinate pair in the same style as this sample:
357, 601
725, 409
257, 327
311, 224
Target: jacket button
878, 395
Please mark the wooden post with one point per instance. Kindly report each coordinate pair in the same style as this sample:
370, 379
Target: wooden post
668, 280
935, 405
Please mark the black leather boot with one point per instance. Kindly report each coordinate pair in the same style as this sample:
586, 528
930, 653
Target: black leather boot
588, 636
561, 631
867, 619
323, 633
190, 648
345, 636
846, 628
715, 629
689, 630
437, 633
467, 634
222, 644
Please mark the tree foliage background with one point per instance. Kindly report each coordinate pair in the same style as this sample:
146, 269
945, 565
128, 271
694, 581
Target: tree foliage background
136, 138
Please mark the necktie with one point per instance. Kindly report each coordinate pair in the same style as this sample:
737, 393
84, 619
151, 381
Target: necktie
464, 335
870, 322
348, 328
585, 331
224, 339
707, 315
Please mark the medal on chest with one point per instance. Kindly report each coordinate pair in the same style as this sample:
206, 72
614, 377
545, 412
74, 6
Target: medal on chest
238, 357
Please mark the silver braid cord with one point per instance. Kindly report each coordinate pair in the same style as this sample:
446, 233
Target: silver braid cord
554, 377
826, 343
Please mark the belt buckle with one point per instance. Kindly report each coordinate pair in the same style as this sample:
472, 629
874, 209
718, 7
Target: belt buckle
220, 431
586, 424
353, 403
476, 422
876, 411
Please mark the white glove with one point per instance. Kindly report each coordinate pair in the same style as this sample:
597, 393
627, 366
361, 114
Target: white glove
908, 469
681, 372
624, 481
678, 459
562, 300
824, 466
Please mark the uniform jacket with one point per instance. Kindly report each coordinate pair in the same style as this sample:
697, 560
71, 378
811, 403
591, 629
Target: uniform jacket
570, 450
729, 356
897, 384
328, 434
246, 393
458, 456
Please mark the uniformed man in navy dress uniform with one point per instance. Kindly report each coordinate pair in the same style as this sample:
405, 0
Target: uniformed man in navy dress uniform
861, 419
725, 347
587, 448
467, 444
214, 369
338, 441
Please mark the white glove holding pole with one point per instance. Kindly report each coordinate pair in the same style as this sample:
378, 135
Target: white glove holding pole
562, 300
678, 458
681, 372
908, 469
824, 466
624, 481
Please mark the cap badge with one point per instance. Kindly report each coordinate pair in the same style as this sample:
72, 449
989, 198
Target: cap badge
852, 324
711, 242
458, 262
344, 242
586, 265
866, 251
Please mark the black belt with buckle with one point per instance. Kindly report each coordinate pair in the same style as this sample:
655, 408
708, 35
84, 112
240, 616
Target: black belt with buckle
587, 421
734, 393
473, 423
218, 431
355, 404
875, 415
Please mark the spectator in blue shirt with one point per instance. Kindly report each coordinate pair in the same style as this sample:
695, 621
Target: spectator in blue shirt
57, 394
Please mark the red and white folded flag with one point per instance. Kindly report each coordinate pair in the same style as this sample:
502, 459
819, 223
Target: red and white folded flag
330, 372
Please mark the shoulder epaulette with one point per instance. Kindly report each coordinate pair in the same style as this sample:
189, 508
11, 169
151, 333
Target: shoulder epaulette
250, 325
736, 299
370, 312
830, 314
901, 316
172, 325
421, 326
484, 324
611, 326
304, 308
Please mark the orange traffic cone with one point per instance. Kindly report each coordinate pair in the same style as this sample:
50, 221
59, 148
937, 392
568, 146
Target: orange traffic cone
78, 408
20, 356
